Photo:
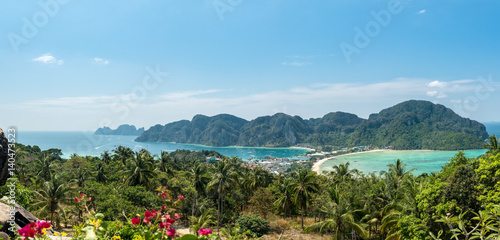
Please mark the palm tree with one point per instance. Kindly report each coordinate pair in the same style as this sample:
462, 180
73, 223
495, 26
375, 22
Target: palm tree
492, 144
81, 176
302, 188
285, 201
165, 162
205, 220
343, 173
100, 172
235, 233
139, 171
223, 177
50, 197
123, 154
200, 180
44, 166
106, 158
341, 217
255, 178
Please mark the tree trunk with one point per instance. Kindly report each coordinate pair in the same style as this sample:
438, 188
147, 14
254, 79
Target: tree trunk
218, 212
302, 216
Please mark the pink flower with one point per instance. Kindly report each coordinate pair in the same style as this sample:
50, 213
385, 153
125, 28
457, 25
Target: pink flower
44, 224
135, 221
145, 220
448, 214
27, 232
163, 208
204, 231
77, 200
177, 216
171, 232
82, 195
90, 198
180, 197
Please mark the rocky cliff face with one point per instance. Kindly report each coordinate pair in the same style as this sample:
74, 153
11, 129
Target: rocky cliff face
4, 157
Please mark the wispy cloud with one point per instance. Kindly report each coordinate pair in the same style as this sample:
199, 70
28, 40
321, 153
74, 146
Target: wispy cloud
296, 63
187, 94
48, 59
87, 101
422, 11
101, 61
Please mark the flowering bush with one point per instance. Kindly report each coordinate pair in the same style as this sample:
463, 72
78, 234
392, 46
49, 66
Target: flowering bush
34, 230
152, 225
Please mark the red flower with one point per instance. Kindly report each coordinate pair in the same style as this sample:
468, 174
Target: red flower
163, 225
171, 232
204, 231
180, 197
153, 212
170, 221
135, 221
148, 214
163, 208
77, 200
82, 195
164, 195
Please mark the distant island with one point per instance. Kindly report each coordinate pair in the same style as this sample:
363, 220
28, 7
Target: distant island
412, 124
121, 130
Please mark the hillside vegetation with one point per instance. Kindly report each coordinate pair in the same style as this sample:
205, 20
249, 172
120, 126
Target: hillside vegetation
409, 125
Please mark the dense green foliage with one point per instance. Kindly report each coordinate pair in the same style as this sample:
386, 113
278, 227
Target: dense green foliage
256, 225
408, 125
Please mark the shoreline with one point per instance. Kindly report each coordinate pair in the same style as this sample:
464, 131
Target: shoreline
317, 165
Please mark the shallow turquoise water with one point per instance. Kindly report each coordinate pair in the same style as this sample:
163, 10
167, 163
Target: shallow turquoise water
87, 143
422, 161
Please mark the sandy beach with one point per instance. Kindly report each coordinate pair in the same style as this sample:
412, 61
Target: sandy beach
317, 165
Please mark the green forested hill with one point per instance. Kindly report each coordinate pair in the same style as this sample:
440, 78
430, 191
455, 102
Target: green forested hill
409, 125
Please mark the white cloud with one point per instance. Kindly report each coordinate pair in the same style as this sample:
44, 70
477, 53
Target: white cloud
437, 84
101, 61
422, 11
48, 59
295, 63
432, 93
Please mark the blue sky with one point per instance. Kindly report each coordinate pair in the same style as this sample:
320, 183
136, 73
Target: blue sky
78, 65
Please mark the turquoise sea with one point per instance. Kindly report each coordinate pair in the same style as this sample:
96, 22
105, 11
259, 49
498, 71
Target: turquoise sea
87, 143
376, 161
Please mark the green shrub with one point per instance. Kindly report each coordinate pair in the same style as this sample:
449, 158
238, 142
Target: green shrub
254, 224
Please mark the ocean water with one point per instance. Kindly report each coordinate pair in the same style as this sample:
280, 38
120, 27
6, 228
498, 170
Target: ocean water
87, 143
376, 161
